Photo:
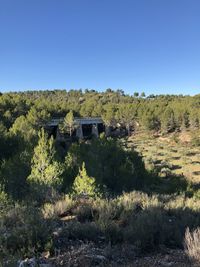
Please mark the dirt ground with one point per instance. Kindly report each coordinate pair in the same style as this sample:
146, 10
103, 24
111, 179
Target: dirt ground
89, 256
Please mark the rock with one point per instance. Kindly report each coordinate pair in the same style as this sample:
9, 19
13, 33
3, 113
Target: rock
100, 257
96, 258
34, 263
27, 262
167, 264
45, 265
45, 254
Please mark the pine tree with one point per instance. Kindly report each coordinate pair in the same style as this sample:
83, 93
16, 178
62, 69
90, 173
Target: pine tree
46, 171
168, 121
108, 117
126, 115
136, 94
69, 123
84, 184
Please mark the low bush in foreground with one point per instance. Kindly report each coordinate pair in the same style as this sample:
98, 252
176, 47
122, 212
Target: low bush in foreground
24, 231
145, 222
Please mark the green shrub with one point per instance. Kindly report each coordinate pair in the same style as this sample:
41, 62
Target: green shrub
144, 230
113, 233
24, 231
75, 230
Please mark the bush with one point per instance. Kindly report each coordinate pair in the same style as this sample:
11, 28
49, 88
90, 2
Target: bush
84, 212
145, 230
24, 231
13, 174
75, 230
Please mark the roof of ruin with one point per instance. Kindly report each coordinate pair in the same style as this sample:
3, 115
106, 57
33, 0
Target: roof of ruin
78, 120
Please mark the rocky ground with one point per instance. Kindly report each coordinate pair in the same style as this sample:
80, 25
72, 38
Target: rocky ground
91, 256
88, 255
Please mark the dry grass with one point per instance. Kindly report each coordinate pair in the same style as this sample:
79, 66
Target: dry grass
52, 210
182, 155
192, 244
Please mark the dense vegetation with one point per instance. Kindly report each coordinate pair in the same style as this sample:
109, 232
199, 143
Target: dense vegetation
41, 182
23, 113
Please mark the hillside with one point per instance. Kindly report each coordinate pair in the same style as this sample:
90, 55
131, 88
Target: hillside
109, 200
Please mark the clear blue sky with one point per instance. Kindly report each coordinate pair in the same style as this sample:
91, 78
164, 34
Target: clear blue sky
135, 45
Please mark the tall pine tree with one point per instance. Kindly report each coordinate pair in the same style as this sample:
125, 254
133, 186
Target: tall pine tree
46, 172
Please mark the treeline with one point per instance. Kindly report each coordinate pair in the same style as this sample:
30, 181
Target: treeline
24, 112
